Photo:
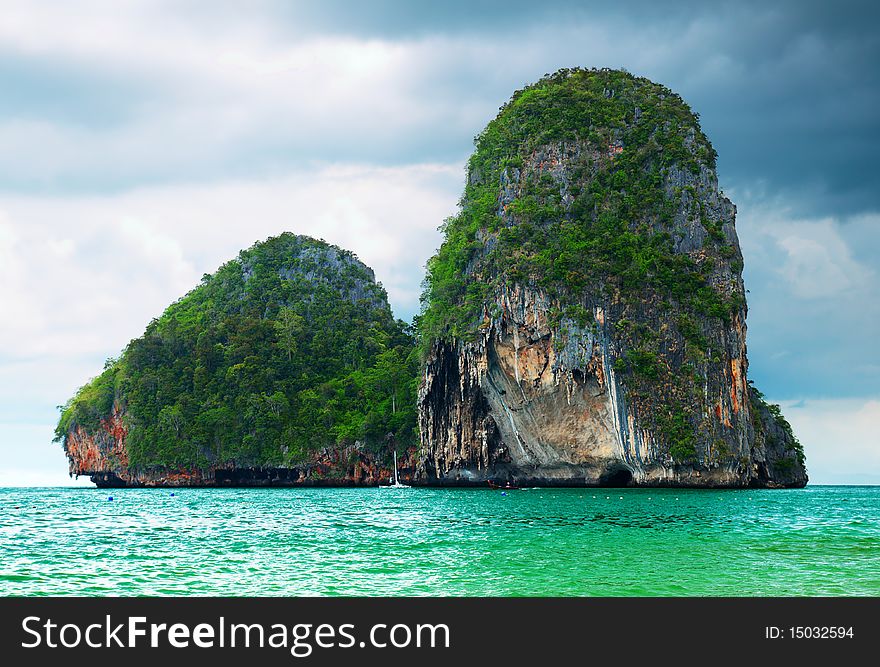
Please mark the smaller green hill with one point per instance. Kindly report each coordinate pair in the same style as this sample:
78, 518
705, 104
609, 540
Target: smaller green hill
288, 349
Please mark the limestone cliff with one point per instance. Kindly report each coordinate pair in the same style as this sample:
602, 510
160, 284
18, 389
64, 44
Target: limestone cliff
585, 319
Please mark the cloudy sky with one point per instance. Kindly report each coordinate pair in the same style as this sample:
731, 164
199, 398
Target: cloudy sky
143, 144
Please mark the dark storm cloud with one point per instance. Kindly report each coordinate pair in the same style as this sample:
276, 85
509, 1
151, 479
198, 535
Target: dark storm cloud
795, 105
793, 101
787, 91
403, 19
395, 19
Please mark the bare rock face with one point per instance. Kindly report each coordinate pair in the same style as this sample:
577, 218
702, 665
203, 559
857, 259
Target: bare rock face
100, 452
528, 404
606, 344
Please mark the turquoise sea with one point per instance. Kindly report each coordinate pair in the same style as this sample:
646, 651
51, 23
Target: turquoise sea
74, 541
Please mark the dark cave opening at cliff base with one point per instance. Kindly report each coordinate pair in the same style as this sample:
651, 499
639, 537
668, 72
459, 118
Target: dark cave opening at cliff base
616, 477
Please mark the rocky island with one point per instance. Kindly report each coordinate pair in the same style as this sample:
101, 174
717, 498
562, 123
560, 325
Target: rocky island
585, 318
284, 367
583, 323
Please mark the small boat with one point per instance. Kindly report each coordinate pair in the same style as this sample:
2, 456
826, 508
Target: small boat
395, 481
507, 486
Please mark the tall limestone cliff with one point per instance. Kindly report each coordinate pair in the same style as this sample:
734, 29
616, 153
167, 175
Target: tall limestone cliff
285, 367
584, 321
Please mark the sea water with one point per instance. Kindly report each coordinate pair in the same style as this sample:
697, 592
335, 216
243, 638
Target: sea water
822, 540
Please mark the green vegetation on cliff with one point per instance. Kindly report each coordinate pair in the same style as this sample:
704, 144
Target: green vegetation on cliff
784, 437
564, 237
289, 348
597, 183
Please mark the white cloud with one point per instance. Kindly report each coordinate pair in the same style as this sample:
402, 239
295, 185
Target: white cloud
31, 459
117, 261
40, 476
21, 316
812, 256
819, 263
840, 438
211, 99
814, 317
